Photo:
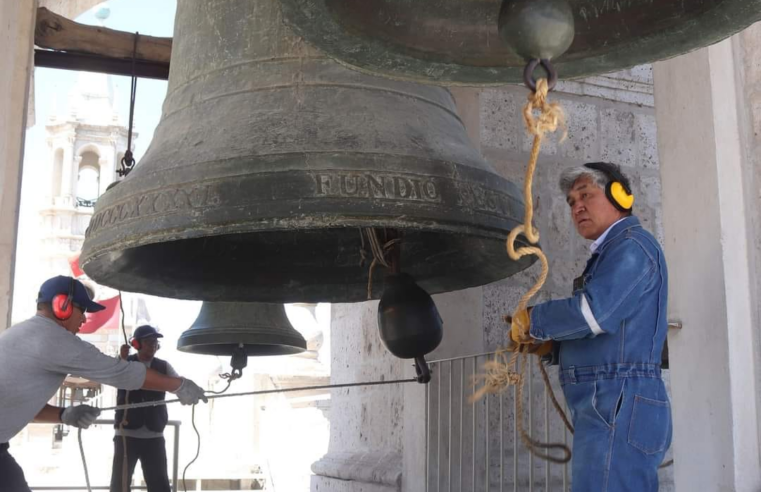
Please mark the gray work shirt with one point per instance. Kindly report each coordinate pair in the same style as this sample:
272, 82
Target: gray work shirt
36, 355
144, 432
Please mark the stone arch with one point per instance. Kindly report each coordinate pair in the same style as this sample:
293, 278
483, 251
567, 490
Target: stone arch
88, 178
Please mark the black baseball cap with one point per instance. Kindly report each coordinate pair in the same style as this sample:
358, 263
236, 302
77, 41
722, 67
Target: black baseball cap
146, 331
63, 285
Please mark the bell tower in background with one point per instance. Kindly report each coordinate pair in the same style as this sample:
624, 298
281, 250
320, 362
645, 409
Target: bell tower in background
86, 144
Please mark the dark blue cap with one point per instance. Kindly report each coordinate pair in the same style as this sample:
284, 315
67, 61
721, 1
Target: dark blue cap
62, 285
146, 331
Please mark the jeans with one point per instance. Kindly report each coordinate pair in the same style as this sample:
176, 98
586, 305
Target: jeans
11, 475
622, 421
152, 456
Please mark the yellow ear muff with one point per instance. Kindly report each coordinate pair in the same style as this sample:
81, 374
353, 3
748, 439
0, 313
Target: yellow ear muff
619, 194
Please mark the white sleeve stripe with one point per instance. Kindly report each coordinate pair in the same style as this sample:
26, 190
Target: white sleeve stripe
589, 317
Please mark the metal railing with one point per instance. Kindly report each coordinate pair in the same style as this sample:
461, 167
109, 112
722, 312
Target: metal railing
175, 465
474, 445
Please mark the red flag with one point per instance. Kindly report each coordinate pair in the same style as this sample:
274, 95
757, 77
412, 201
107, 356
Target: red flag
74, 264
107, 319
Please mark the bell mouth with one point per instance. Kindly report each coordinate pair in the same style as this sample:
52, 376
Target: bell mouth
223, 343
299, 265
457, 42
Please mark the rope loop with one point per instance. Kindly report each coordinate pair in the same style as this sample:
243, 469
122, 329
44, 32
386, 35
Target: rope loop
501, 372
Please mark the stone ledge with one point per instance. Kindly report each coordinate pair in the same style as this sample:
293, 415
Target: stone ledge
326, 484
381, 468
634, 86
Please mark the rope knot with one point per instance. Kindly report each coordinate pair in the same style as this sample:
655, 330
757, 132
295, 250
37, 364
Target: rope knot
499, 374
551, 115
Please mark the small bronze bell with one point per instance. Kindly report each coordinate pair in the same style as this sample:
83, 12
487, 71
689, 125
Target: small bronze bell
458, 41
409, 323
252, 328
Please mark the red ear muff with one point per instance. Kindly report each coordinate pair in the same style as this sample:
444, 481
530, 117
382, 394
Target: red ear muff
62, 307
62, 304
135, 344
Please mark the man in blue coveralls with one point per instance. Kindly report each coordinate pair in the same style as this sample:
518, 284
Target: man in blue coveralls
608, 338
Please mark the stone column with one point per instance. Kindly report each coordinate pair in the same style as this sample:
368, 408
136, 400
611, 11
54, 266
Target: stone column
16, 38
69, 172
105, 171
711, 244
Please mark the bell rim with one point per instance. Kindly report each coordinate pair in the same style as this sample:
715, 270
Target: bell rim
206, 340
371, 56
484, 223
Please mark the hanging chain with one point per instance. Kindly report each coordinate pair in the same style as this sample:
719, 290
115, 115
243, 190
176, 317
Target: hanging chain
128, 161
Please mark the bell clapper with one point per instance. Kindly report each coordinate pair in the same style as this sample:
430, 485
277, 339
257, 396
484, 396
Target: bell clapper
422, 370
238, 361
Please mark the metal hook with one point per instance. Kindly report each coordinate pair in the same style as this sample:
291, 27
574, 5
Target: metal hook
528, 74
422, 370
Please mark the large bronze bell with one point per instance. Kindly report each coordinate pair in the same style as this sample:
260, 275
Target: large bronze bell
256, 328
458, 41
269, 160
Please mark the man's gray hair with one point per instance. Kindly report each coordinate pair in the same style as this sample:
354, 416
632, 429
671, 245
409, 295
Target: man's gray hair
569, 176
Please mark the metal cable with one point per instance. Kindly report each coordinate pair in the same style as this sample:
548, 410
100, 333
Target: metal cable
128, 162
230, 380
125, 467
84, 461
264, 392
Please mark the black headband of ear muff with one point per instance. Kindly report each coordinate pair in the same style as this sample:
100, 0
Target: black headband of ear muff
612, 172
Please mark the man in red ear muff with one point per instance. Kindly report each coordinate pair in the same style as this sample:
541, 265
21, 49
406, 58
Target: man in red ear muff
608, 338
143, 429
36, 355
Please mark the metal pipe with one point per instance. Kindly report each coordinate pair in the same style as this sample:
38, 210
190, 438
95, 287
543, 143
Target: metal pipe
515, 439
439, 361
546, 437
176, 454
486, 440
438, 432
530, 425
473, 487
501, 443
428, 434
565, 441
449, 451
462, 408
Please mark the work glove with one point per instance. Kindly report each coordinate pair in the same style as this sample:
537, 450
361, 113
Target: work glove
520, 337
189, 393
81, 416
520, 324
124, 352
